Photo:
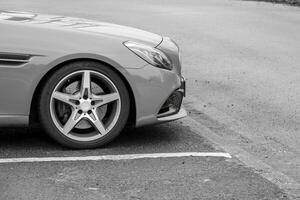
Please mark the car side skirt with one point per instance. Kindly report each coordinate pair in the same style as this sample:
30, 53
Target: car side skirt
14, 120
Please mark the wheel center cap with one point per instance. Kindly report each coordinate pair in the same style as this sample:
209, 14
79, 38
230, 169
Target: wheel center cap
85, 106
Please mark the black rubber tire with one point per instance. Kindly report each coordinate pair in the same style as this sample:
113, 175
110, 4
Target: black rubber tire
53, 80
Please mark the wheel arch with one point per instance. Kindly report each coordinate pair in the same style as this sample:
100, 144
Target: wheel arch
54, 66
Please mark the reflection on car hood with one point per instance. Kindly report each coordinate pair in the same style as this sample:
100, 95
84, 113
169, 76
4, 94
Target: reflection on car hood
79, 24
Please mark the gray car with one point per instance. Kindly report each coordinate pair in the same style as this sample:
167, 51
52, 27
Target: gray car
85, 80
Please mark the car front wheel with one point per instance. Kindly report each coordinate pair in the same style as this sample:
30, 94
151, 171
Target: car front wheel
84, 105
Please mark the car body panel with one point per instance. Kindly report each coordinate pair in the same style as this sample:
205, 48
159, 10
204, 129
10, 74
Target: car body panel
52, 40
63, 23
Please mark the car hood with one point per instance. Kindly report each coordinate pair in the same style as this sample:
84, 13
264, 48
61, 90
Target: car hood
80, 25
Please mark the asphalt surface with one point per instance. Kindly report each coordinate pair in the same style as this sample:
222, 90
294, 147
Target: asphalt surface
174, 137
241, 60
186, 178
160, 178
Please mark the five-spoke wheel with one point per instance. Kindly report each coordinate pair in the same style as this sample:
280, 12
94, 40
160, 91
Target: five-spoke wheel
87, 105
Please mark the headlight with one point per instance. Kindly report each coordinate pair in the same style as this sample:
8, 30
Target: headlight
151, 55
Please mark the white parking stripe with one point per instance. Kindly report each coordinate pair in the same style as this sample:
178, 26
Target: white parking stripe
115, 157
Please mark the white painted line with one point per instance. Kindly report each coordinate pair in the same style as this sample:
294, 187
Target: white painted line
115, 157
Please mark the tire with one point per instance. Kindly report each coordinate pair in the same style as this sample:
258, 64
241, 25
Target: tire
89, 96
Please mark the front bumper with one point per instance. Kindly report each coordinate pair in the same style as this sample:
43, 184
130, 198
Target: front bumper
172, 109
155, 88
181, 114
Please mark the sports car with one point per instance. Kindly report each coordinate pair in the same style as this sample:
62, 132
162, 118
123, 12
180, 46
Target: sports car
82, 80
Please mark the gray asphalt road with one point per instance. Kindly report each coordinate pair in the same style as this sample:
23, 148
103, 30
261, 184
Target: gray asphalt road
162, 178
186, 178
174, 137
241, 60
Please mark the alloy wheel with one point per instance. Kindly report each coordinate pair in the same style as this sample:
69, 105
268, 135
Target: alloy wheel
85, 105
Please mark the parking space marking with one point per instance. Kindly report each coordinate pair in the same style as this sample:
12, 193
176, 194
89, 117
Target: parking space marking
115, 157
